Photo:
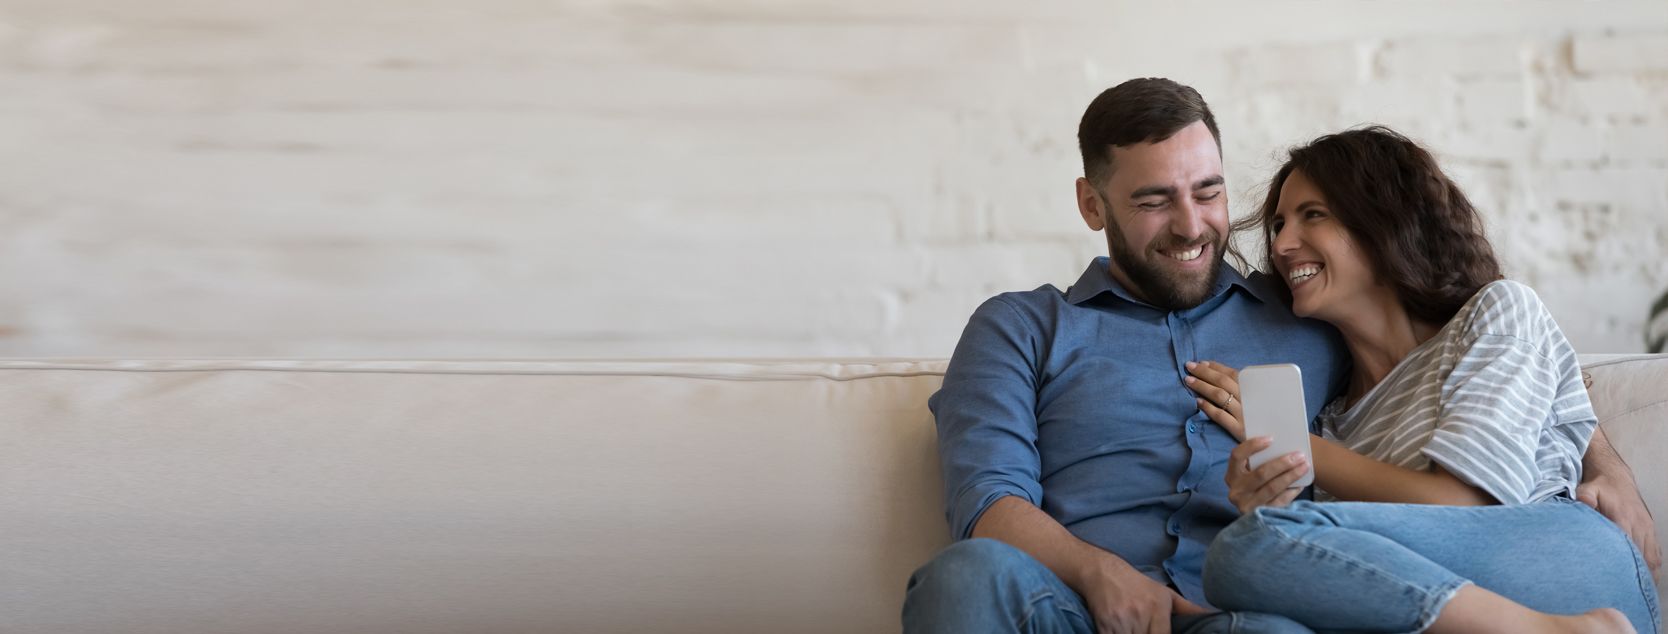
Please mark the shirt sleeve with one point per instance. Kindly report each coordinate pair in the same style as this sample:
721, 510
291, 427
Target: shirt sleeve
986, 416
1510, 420
1489, 424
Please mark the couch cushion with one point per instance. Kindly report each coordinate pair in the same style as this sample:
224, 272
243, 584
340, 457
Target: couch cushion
464, 497
309, 496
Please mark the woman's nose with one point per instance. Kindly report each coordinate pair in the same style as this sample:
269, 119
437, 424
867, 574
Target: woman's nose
1286, 240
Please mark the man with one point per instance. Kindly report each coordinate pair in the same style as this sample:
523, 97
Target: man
1081, 479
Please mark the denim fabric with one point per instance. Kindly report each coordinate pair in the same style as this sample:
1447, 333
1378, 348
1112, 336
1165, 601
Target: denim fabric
1392, 567
1074, 401
983, 585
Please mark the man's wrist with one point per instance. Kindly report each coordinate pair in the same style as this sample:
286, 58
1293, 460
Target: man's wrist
1093, 570
1604, 465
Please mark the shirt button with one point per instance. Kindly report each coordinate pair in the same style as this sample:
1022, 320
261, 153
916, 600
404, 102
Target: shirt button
1192, 428
1175, 528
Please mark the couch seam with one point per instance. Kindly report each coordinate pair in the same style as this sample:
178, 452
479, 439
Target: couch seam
1633, 411
784, 376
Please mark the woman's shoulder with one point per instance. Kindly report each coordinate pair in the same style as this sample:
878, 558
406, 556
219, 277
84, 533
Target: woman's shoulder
1508, 295
1506, 308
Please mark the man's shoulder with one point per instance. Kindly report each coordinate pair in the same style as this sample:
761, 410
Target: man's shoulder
1040, 298
1275, 300
1264, 284
1028, 313
1271, 319
1029, 304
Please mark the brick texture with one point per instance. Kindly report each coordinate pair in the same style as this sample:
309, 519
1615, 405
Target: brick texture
593, 178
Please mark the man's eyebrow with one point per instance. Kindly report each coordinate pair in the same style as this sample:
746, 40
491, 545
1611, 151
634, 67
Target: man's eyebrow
1210, 182
1153, 190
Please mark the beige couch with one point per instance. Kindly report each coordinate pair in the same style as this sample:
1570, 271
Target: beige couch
383, 496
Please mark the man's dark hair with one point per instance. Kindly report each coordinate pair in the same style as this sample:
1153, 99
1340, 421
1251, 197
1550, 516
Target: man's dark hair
1137, 111
1419, 232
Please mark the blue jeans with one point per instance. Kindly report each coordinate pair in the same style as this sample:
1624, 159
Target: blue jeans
983, 585
1392, 567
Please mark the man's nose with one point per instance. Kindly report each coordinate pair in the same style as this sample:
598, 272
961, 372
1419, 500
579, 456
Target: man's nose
1187, 221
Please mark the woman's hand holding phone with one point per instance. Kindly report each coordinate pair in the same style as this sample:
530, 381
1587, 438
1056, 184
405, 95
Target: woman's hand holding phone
1279, 480
1266, 485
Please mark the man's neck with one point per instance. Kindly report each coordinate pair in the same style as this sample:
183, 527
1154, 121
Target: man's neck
1124, 281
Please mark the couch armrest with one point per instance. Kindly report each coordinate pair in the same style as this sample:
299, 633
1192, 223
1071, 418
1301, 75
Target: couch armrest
1630, 396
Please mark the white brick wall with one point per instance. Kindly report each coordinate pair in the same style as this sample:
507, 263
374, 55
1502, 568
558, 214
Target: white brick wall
736, 177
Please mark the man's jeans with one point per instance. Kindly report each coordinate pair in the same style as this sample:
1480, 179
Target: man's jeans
1392, 567
983, 585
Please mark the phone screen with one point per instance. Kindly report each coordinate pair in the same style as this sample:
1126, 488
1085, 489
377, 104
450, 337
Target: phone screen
1272, 402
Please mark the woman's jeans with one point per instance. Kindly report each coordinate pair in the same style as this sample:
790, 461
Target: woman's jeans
1392, 567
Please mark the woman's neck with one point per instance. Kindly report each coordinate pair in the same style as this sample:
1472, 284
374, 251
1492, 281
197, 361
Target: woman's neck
1379, 334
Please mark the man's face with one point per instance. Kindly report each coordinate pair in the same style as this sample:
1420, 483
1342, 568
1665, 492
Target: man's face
1165, 211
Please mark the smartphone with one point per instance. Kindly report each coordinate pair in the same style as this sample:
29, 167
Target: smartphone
1271, 399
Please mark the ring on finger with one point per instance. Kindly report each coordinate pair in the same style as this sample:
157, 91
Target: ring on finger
1229, 402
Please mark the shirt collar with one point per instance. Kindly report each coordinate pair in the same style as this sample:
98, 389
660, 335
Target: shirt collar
1097, 279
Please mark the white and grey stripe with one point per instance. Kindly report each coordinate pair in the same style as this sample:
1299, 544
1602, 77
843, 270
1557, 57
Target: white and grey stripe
1496, 398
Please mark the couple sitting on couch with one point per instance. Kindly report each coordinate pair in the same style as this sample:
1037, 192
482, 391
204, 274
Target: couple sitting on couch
1094, 436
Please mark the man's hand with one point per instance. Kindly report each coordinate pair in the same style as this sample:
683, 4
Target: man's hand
1119, 598
1620, 502
1607, 484
1124, 601
1266, 485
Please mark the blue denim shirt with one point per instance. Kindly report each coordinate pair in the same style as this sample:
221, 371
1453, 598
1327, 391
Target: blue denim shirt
1074, 401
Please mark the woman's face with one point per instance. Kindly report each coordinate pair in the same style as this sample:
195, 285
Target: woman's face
1327, 273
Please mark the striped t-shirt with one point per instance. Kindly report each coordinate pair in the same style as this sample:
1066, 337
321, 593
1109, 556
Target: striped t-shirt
1496, 398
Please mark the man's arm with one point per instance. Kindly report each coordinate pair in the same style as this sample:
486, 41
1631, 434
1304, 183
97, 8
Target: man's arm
1607, 484
1119, 597
985, 412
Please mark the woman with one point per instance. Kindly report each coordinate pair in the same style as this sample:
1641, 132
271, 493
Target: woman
1465, 408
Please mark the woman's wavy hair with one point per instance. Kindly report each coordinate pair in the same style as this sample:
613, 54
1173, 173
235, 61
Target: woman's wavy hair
1420, 233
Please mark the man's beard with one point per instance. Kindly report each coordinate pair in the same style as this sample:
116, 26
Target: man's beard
1164, 289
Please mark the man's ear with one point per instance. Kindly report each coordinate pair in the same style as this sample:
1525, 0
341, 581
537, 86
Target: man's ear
1089, 203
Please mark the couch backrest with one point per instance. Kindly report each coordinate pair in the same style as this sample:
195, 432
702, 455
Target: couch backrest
382, 496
